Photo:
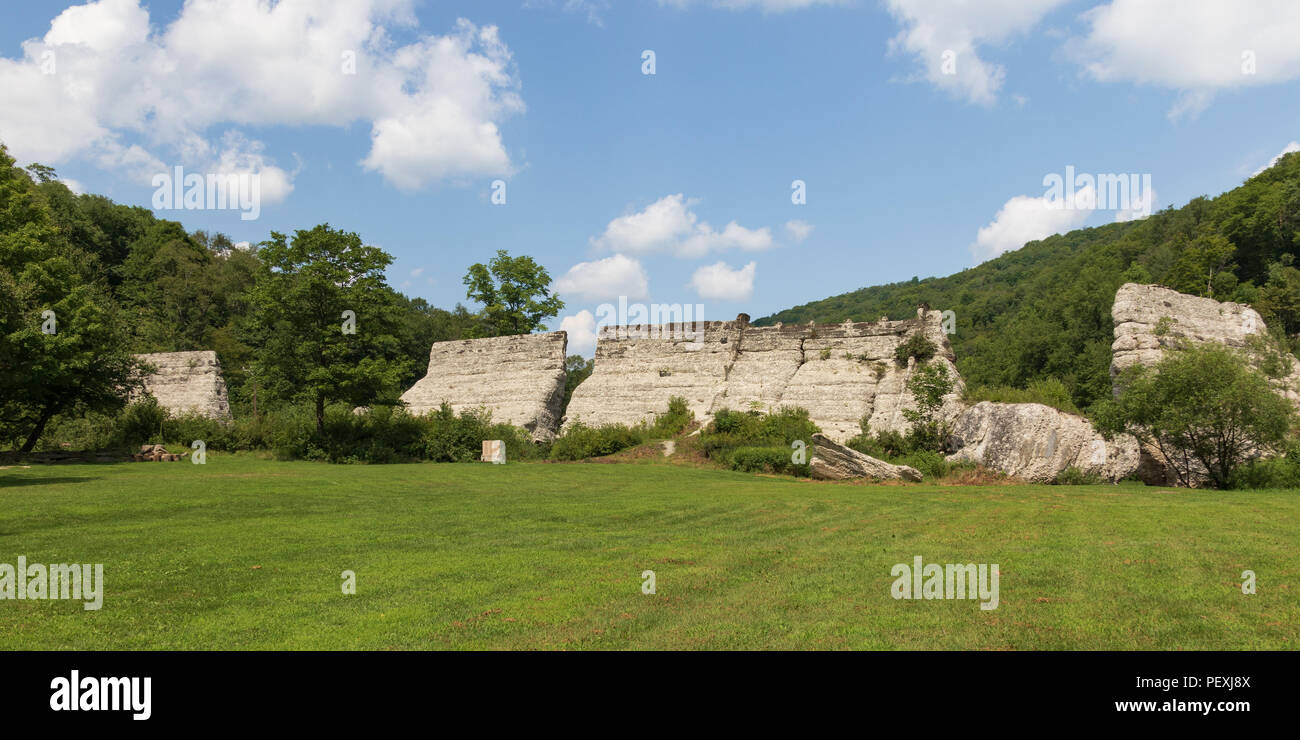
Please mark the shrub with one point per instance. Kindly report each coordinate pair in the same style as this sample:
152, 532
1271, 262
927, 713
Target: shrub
141, 422
765, 460
1047, 391
581, 441
917, 346
677, 418
753, 441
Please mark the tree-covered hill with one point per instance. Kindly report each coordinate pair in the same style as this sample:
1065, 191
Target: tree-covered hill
1043, 312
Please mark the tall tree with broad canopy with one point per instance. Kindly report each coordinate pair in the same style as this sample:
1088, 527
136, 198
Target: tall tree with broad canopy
307, 349
515, 293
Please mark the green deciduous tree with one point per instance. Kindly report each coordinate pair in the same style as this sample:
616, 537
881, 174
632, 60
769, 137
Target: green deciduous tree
515, 293
63, 347
1205, 408
299, 331
928, 385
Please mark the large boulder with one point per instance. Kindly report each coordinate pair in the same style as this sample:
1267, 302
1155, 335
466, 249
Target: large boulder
1036, 443
834, 461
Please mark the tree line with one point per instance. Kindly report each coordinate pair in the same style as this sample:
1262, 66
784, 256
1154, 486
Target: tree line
306, 318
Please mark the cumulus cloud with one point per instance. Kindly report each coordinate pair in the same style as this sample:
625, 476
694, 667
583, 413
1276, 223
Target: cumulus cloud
1292, 147
945, 38
1026, 218
718, 281
105, 84
1196, 48
669, 225
611, 277
798, 230
581, 328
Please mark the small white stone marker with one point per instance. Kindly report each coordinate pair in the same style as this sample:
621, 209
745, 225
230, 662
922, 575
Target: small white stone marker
494, 451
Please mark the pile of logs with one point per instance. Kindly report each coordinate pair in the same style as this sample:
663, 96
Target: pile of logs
157, 453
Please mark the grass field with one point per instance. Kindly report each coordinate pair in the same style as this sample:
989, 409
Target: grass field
247, 553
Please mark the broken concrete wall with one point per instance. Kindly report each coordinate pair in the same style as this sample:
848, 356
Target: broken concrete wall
519, 379
188, 382
839, 372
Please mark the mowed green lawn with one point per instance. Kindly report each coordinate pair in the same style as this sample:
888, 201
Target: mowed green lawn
247, 553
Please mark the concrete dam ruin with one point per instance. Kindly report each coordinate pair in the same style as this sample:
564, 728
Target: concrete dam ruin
188, 383
840, 373
519, 379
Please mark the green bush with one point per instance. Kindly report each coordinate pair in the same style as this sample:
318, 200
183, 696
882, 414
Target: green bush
672, 423
141, 422
581, 441
1275, 472
917, 346
754, 442
1047, 391
764, 460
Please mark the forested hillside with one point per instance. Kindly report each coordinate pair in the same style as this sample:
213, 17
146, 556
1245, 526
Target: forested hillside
86, 282
1043, 312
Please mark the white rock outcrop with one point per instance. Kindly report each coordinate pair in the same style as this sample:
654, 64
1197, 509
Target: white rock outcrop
838, 372
1036, 443
519, 379
188, 382
1150, 319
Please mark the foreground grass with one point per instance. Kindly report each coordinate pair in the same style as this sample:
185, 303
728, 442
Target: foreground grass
247, 553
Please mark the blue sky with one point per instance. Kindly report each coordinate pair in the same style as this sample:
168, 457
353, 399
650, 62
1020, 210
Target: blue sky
673, 187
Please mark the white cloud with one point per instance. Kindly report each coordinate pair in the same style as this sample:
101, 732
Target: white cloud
719, 281
73, 185
767, 6
129, 96
1025, 218
798, 230
1292, 147
936, 31
669, 225
1196, 48
618, 275
582, 333
660, 225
